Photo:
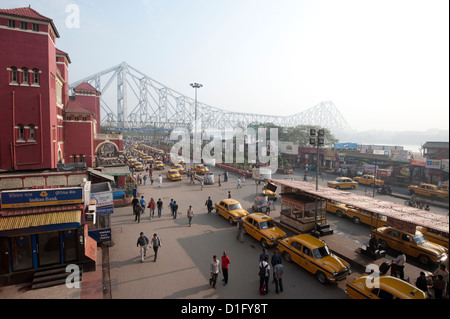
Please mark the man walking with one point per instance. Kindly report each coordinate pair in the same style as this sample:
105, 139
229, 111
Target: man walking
264, 274
225, 263
142, 243
190, 215
159, 181
142, 202
278, 272
239, 183
171, 207
156, 243
214, 269
175, 209
159, 204
209, 205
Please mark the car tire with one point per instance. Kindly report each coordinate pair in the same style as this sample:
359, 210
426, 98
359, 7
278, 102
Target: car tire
337, 187
383, 244
356, 220
287, 257
264, 243
231, 221
339, 214
425, 260
353, 187
321, 277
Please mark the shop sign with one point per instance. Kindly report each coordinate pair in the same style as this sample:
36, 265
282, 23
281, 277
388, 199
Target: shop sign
345, 146
101, 235
105, 210
418, 163
103, 198
41, 197
436, 164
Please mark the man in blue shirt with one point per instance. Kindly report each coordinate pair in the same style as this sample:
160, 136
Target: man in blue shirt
142, 202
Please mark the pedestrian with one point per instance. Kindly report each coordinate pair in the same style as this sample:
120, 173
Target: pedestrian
214, 269
137, 210
190, 215
243, 177
145, 179
399, 267
278, 272
201, 184
159, 181
268, 208
263, 255
142, 202
151, 179
225, 263
175, 209
422, 282
156, 243
225, 176
444, 273
209, 204
439, 287
229, 194
239, 183
264, 274
142, 243
272, 204
151, 207
219, 181
240, 229
427, 208
171, 207
159, 204
305, 179
134, 202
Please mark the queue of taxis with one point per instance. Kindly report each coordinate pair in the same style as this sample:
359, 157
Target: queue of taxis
230, 209
355, 214
314, 255
263, 229
342, 183
386, 287
414, 245
173, 175
437, 237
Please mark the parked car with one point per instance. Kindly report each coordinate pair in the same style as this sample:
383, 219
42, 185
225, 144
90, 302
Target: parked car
427, 190
343, 183
355, 214
158, 165
230, 209
414, 245
314, 255
387, 287
173, 175
263, 229
201, 169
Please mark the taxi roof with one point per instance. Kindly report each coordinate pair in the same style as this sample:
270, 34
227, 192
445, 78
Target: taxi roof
259, 216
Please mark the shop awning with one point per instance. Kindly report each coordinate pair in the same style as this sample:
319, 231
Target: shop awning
36, 220
100, 174
116, 170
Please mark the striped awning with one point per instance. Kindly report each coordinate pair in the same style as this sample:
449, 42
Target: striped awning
35, 220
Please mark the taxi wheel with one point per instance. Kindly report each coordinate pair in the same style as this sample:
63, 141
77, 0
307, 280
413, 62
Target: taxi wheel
383, 244
321, 277
356, 220
287, 256
353, 187
425, 260
337, 187
231, 221
339, 213
263, 243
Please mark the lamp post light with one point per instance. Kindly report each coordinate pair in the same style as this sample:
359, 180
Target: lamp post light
319, 141
195, 86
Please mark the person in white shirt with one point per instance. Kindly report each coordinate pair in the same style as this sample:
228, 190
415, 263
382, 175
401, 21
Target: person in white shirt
264, 275
399, 266
214, 268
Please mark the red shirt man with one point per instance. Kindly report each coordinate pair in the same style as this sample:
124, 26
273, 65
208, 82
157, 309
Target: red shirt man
225, 263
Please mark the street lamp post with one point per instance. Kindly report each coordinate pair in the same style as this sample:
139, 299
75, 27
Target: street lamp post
195, 86
316, 139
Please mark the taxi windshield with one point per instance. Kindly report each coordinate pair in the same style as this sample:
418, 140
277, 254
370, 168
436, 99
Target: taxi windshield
419, 239
235, 206
267, 224
321, 252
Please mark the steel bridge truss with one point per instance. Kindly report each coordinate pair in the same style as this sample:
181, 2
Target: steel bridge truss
141, 102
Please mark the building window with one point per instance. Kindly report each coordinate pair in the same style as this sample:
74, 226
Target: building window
35, 77
68, 117
32, 136
84, 118
21, 133
13, 75
81, 158
74, 158
11, 23
25, 77
36, 27
23, 25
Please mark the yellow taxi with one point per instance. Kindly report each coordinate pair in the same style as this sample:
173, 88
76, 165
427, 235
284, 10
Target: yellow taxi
263, 229
444, 187
230, 209
342, 183
428, 190
270, 194
437, 237
355, 214
201, 169
138, 166
180, 168
180, 160
414, 245
369, 180
382, 287
173, 175
314, 255
158, 165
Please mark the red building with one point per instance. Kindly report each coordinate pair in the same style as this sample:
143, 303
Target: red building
40, 125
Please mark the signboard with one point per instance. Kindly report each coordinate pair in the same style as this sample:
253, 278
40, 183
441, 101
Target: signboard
101, 235
288, 148
103, 198
436, 164
345, 146
105, 210
401, 225
42, 197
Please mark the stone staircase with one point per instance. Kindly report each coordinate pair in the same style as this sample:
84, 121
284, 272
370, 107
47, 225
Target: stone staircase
52, 276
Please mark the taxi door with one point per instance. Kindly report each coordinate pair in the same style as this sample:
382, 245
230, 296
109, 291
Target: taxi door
306, 258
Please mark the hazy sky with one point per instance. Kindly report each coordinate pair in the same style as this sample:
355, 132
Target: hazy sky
383, 63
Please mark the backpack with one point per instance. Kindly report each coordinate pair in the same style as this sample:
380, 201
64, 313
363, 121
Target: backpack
262, 270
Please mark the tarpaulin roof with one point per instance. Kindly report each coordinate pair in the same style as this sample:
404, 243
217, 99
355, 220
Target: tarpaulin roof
398, 211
